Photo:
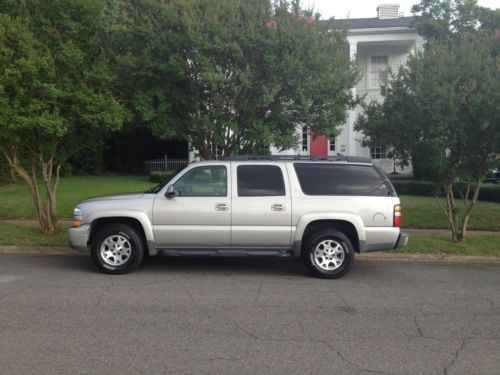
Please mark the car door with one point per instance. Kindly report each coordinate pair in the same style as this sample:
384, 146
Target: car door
261, 206
199, 214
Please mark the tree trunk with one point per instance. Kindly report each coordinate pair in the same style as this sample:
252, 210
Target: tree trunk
46, 213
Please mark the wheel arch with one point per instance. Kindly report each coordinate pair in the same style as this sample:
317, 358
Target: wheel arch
351, 226
144, 231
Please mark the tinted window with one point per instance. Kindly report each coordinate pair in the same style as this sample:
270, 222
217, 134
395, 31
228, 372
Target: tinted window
208, 181
260, 181
335, 179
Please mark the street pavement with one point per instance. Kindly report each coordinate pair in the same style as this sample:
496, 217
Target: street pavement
247, 316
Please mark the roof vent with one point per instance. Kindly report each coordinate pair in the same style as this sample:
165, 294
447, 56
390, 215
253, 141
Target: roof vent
388, 11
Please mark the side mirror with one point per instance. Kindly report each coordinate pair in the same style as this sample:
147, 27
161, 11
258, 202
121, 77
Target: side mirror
170, 193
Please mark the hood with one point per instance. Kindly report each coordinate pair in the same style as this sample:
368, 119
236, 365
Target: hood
123, 196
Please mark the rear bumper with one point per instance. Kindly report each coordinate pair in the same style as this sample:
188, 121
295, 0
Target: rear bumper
78, 237
383, 238
402, 240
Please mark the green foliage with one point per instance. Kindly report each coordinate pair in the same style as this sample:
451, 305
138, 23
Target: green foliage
440, 111
160, 177
237, 75
488, 193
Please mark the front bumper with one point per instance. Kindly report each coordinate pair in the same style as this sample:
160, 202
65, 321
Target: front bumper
402, 240
78, 237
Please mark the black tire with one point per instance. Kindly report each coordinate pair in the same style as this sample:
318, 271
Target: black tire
133, 253
315, 239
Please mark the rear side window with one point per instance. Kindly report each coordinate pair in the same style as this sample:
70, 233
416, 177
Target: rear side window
335, 179
260, 181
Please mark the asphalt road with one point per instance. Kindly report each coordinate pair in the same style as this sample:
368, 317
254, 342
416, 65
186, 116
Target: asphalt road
247, 316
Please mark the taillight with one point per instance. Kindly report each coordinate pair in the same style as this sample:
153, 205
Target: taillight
397, 216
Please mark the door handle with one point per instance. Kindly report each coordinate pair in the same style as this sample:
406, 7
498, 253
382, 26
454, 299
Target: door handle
278, 207
221, 207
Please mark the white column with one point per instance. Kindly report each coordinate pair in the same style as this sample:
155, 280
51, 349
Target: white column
351, 136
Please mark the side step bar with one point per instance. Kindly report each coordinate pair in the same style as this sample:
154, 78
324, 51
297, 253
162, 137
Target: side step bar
226, 252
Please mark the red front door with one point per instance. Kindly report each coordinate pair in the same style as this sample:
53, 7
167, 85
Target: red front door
319, 145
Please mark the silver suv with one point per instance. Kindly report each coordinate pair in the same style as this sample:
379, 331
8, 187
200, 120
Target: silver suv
321, 210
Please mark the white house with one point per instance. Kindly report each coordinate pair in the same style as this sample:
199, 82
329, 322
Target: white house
377, 44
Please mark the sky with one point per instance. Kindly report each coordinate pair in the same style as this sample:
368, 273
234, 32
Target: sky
368, 8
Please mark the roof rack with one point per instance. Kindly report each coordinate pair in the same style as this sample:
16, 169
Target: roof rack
339, 157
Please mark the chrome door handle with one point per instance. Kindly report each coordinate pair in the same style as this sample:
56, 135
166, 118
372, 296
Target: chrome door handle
278, 207
221, 207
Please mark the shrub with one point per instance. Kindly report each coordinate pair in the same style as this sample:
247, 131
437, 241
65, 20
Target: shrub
488, 192
160, 176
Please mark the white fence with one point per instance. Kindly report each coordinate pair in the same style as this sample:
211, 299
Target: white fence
165, 165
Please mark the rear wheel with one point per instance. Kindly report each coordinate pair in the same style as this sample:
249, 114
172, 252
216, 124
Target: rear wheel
328, 254
117, 248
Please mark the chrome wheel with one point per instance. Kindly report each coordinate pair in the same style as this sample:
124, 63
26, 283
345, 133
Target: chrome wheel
328, 255
115, 250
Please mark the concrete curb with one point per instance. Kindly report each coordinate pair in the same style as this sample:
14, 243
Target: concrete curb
394, 257
436, 258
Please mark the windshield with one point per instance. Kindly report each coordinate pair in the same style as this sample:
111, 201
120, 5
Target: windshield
160, 186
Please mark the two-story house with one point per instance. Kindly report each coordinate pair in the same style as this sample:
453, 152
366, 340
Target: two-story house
377, 44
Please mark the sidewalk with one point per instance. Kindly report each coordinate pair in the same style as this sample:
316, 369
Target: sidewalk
440, 232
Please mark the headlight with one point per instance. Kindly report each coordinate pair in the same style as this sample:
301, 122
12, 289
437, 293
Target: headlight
77, 215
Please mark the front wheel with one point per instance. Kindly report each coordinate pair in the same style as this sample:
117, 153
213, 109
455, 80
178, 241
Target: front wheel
328, 254
117, 248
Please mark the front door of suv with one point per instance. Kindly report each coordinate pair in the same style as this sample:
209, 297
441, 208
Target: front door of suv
261, 206
199, 215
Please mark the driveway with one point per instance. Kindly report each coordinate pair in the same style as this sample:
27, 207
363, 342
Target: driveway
247, 316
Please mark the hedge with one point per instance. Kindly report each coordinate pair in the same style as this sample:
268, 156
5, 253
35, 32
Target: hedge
159, 177
488, 192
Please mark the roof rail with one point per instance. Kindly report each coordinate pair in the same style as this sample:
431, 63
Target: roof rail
339, 157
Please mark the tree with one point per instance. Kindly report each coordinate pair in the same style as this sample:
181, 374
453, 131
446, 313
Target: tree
233, 75
54, 91
440, 110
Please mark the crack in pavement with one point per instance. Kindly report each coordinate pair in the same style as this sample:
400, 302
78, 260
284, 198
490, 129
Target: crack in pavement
311, 340
104, 291
455, 356
259, 292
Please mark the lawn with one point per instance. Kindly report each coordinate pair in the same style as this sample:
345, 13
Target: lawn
424, 212
418, 212
431, 244
16, 202
28, 236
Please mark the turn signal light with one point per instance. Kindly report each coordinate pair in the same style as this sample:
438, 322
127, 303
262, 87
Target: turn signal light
397, 216
77, 223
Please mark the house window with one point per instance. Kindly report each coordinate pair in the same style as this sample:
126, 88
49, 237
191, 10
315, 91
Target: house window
305, 138
378, 152
378, 71
332, 145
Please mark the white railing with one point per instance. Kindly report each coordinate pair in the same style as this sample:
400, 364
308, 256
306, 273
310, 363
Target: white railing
165, 164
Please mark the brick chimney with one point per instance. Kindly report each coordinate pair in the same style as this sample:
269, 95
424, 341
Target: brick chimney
388, 11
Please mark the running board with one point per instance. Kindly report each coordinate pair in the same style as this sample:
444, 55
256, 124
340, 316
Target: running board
226, 252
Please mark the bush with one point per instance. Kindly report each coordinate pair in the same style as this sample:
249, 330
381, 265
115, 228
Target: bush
488, 192
159, 177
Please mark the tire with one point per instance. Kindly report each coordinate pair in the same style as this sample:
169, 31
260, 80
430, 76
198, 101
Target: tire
117, 249
338, 251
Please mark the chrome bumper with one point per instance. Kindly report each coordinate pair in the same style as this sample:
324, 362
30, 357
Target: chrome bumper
78, 237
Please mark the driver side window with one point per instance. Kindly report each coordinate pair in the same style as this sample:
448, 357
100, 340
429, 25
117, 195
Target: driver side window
209, 181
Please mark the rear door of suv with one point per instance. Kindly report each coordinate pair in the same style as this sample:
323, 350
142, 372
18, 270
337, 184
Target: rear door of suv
261, 206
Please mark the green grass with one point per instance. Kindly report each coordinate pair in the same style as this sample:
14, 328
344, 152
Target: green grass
16, 201
432, 244
28, 236
424, 212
